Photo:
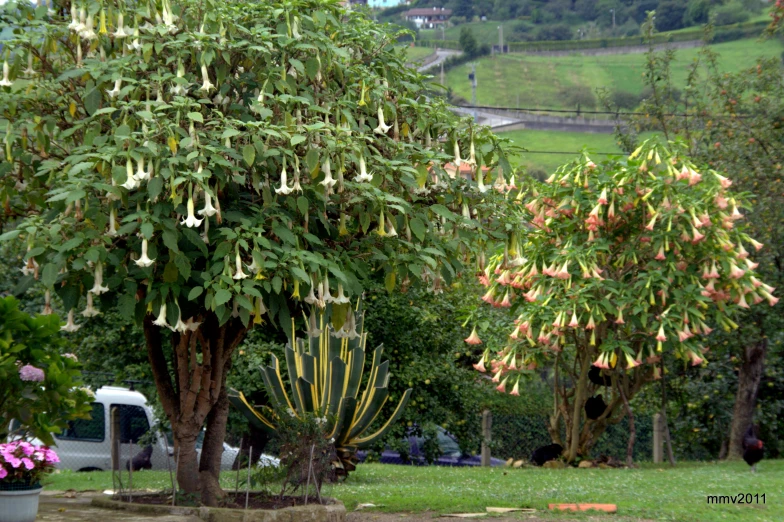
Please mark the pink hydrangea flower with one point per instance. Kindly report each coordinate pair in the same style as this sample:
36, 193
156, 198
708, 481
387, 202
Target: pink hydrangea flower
3, 472
31, 373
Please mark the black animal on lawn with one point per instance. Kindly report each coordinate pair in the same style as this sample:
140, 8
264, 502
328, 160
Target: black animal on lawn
546, 453
594, 407
752, 448
141, 460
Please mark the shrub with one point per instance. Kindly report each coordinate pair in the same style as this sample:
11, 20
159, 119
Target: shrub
39, 387
669, 15
554, 32
732, 13
624, 99
579, 96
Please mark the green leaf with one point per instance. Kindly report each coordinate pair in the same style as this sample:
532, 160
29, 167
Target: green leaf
442, 211
300, 274
92, 101
418, 228
285, 234
147, 230
277, 284
155, 187
183, 265
195, 292
297, 139
302, 205
222, 296
170, 272
230, 133
49, 274
10, 235
196, 116
249, 154
170, 240
126, 304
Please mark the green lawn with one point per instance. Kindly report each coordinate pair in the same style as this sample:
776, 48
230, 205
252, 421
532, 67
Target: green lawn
417, 54
484, 32
570, 142
543, 82
651, 492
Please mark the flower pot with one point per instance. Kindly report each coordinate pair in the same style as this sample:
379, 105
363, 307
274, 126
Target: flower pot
19, 505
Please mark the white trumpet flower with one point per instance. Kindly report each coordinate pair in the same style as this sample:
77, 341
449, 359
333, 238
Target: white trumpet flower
112, 223
120, 32
70, 325
382, 128
90, 310
179, 326
472, 155
284, 182
47, 303
363, 175
458, 161
29, 71
98, 287
208, 209
74, 25
168, 17
239, 274
191, 221
143, 260
88, 33
134, 45
341, 298
161, 320
328, 181
207, 86
311, 298
141, 174
5, 82
117, 86
130, 182
177, 89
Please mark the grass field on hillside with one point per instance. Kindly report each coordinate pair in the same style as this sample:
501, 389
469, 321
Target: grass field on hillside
544, 82
417, 54
649, 492
570, 142
484, 32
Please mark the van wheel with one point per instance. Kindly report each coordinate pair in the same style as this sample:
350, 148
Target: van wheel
91, 469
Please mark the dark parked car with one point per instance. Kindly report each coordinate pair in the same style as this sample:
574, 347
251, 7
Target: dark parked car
451, 455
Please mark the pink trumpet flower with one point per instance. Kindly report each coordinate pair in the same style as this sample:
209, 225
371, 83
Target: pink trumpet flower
694, 177
735, 272
684, 334
502, 387
770, 298
473, 338
506, 302
725, 182
660, 334
603, 197
516, 390
574, 323
601, 362
480, 366
591, 324
742, 301
756, 244
660, 254
497, 376
697, 237
696, 360
631, 362
620, 320
751, 264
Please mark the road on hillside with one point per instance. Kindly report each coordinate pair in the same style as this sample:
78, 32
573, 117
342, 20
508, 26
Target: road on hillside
441, 55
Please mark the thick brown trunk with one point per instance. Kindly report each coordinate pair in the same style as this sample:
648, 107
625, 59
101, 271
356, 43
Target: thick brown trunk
212, 449
189, 389
185, 451
749, 379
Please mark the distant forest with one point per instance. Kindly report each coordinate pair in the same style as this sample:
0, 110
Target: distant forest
568, 19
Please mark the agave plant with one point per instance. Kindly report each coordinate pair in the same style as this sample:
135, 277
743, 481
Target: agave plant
324, 373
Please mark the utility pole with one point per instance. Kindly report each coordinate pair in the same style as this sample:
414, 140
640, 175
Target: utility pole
442, 74
613, 13
500, 38
472, 77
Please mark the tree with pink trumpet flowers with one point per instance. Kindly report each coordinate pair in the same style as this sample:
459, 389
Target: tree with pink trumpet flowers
616, 266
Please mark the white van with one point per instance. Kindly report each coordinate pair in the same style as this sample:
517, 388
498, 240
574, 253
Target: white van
86, 444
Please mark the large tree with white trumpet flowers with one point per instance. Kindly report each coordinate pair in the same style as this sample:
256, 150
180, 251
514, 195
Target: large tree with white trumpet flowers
208, 166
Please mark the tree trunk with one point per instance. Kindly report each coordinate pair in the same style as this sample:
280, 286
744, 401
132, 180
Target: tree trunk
579, 404
749, 379
255, 440
191, 383
212, 450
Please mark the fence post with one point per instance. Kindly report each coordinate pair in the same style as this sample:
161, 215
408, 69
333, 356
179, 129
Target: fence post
114, 434
658, 437
487, 422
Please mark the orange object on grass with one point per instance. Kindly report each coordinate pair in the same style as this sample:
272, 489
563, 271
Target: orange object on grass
608, 508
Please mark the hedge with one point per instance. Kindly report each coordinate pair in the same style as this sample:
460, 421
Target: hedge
721, 34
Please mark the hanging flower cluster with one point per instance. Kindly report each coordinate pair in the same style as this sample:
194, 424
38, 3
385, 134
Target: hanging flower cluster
194, 165
623, 261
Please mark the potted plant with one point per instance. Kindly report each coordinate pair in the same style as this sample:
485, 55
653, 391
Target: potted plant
22, 465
